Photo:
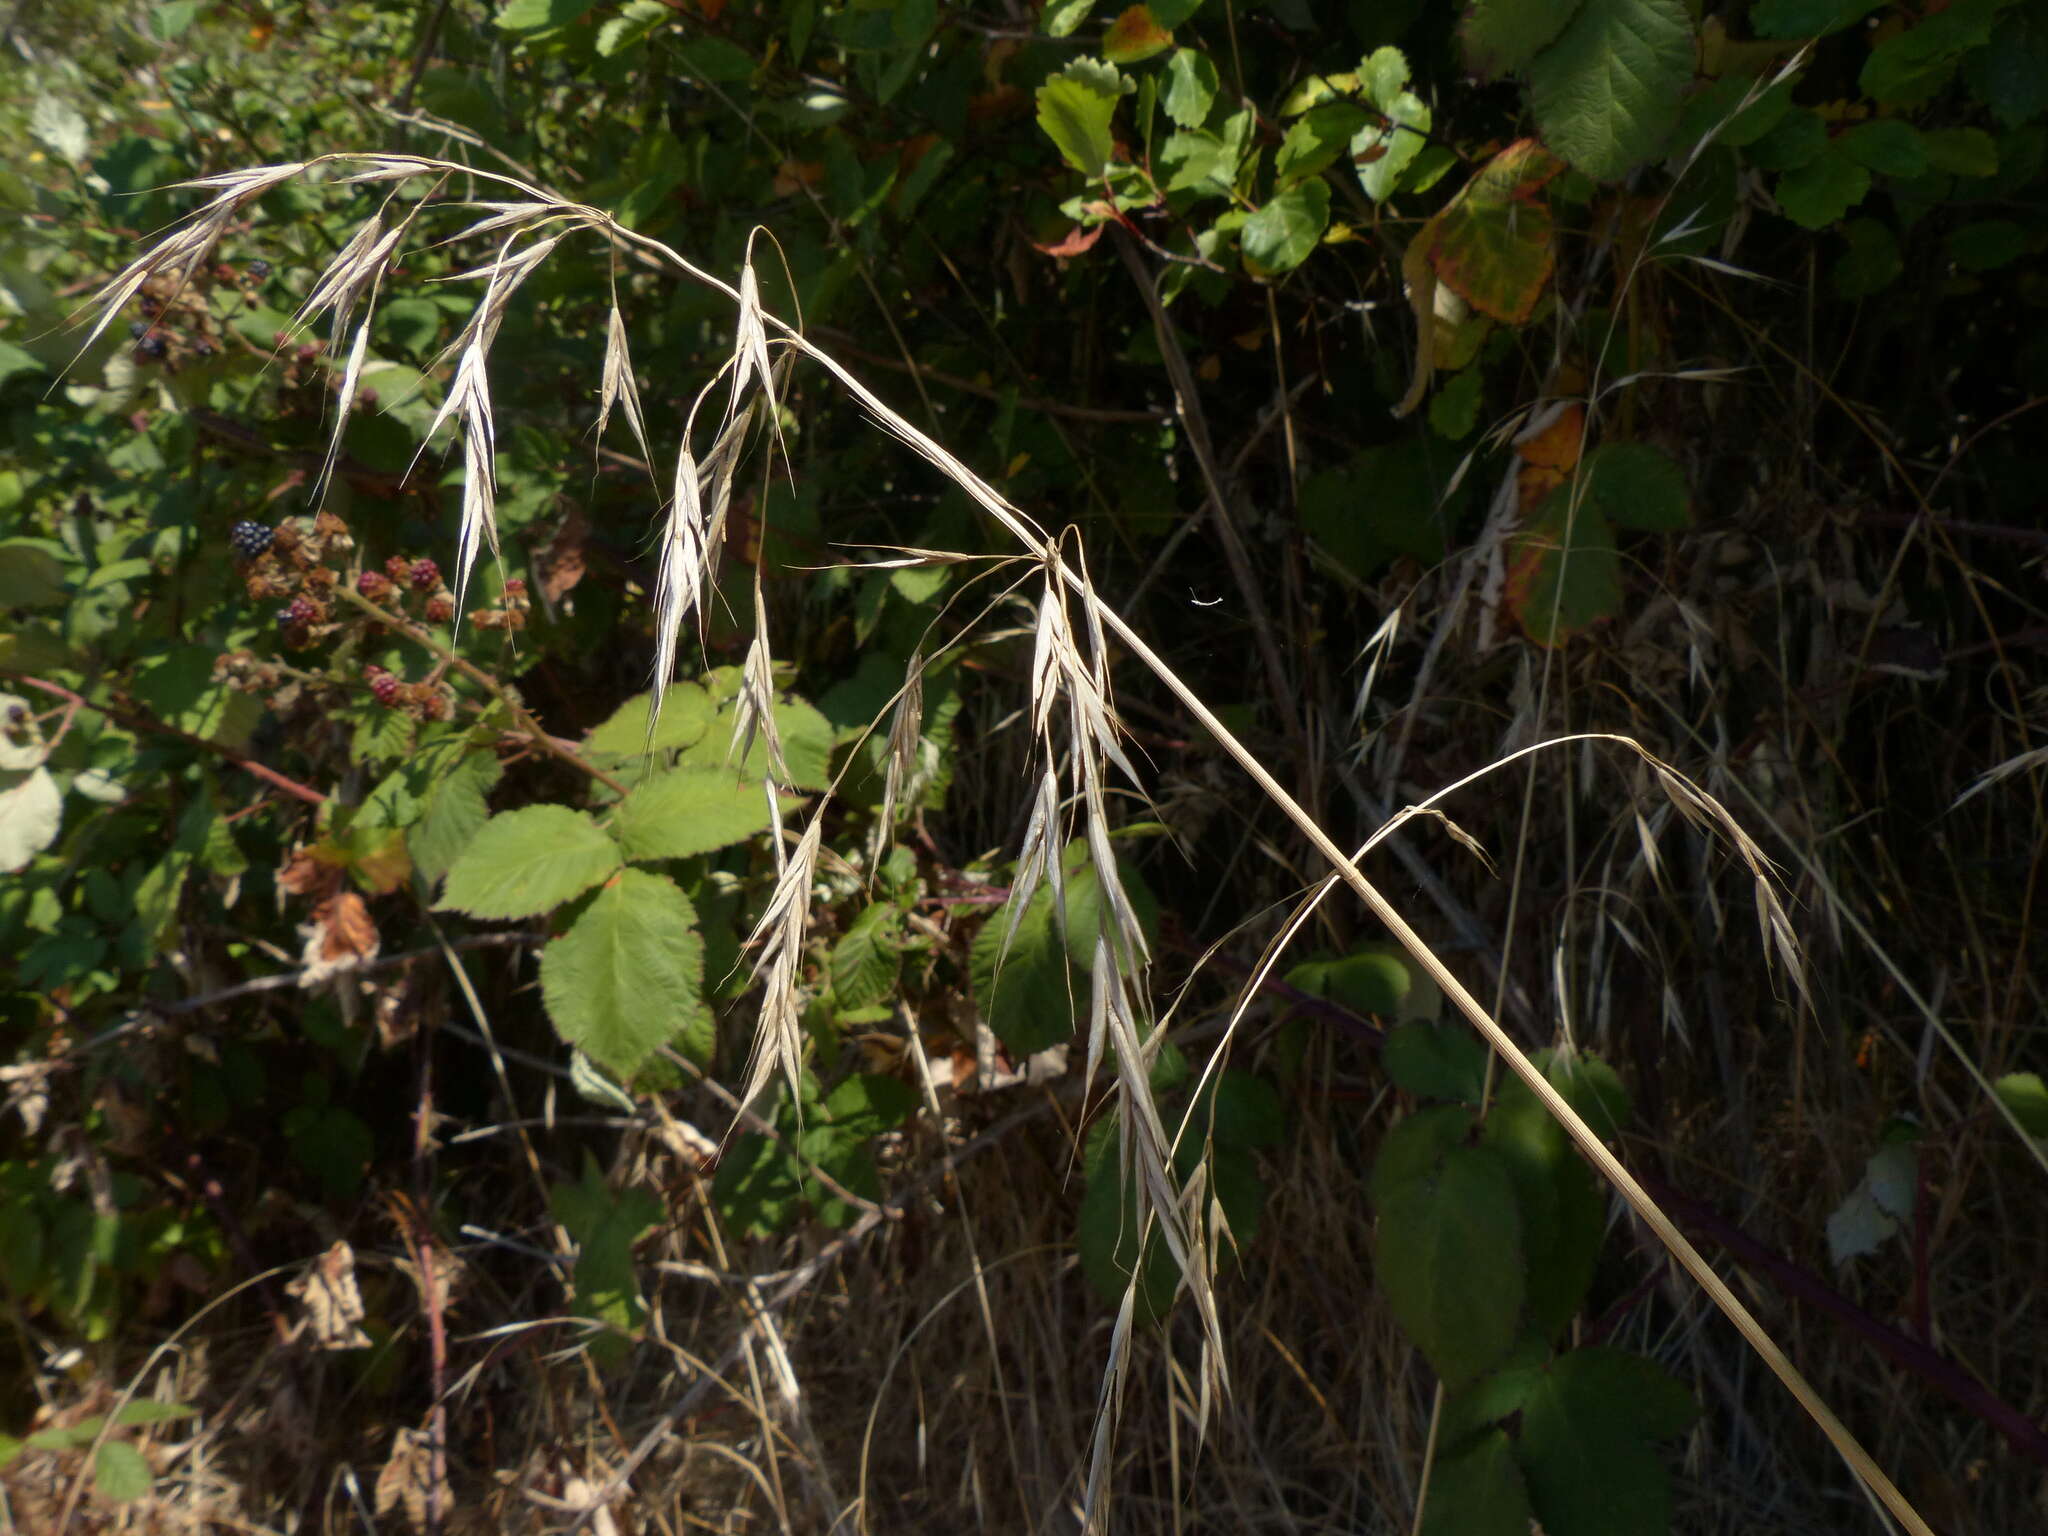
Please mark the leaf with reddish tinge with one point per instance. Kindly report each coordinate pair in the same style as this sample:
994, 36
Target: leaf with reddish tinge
1492, 245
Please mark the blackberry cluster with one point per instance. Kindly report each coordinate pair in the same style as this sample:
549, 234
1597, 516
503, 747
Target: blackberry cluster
249, 539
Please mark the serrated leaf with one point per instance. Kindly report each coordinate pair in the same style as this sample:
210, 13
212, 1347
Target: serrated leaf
1478, 1491
688, 811
1799, 138
1822, 190
1878, 1206
1190, 88
1280, 236
1887, 146
865, 960
1029, 995
1074, 109
1586, 1444
454, 808
526, 862
686, 715
1454, 408
1492, 243
1637, 486
628, 976
1135, 35
605, 1224
1606, 93
120, 1473
1383, 75
1448, 1253
1502, 36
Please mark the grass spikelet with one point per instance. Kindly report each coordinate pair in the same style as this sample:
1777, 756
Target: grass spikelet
679, 585
778, 1036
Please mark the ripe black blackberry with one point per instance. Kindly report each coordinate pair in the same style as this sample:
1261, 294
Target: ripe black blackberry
249, 539
152, 347
259, 269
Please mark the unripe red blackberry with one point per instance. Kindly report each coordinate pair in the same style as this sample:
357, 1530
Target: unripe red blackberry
374, 585
424, 575
384, 688
299, 613
440, 608
399, 569
249, 539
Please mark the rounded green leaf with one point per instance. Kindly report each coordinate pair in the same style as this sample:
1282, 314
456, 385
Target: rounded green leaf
120, 1473
527, 862
1887, 146
689, 811
1987, 244
1637, 486
628, 976
1435, 1061
2027, 1097
1190, 88
1280, 235
1606, 93
1448, 1251
1822, 190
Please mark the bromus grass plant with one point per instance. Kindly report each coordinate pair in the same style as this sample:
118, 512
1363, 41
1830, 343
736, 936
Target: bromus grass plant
1083, 765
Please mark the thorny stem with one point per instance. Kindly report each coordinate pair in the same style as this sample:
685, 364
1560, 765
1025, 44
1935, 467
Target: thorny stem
529, 727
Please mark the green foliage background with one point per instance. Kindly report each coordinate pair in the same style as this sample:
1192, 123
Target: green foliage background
1279, 306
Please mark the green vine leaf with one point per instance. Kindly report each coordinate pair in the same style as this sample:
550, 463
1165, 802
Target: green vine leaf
1190, 88
527, 862
1479, 1491
1607, 93
1448, 1248
689, 811
1822, 190
1074, 109
1280, 236
628, 976
1587, 1444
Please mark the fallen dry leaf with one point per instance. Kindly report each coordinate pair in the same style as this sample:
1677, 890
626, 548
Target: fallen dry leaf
334, 1307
